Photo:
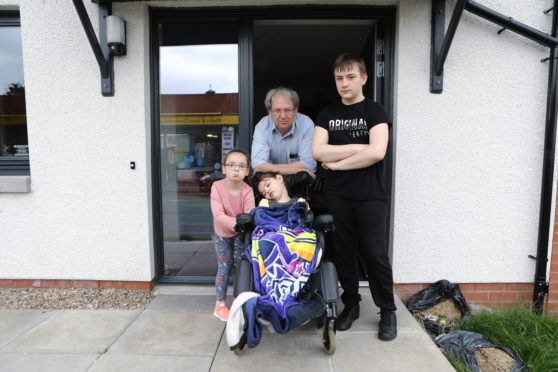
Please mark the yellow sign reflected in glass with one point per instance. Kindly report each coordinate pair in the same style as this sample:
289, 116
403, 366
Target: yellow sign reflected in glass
197, 119
13, 119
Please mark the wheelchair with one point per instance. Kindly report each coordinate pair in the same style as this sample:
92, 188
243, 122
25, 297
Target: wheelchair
322, 283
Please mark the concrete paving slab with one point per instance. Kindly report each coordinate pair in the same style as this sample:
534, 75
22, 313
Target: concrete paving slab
193, 304
363, 351
187, 290
288, 352
185, 327
359, 348
45, 362
14, 323
75, 331
148, 363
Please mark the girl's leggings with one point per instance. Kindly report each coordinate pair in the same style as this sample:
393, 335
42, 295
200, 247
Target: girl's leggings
229, 252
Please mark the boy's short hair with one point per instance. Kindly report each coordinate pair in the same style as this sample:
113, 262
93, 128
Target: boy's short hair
346, 61
285, 92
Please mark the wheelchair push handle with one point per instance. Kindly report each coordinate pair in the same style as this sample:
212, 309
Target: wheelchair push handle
244, 222
324, 222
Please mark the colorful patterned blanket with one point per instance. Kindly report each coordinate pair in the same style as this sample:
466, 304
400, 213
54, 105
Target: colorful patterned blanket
283, 253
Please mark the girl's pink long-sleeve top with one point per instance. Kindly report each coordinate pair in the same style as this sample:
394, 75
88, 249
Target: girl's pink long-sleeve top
225, 207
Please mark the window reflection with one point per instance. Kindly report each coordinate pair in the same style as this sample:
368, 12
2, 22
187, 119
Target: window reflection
197, 122
13, 121
198, 125
198, 69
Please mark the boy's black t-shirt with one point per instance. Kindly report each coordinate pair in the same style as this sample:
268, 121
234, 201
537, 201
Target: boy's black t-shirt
349, 124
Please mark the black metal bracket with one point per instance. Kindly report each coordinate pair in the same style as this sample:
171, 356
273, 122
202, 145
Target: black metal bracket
436, 40
540, 291
100, 49
441, 41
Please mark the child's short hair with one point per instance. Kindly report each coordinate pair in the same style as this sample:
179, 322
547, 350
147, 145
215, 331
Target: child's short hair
238, 151
346, 60
259, 176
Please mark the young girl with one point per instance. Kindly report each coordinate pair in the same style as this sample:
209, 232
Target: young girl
271, 186
229, 197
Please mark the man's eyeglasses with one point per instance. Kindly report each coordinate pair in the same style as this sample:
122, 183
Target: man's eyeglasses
234, 165
278, 112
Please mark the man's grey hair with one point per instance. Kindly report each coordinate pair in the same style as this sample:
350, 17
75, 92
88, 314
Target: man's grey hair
285, 92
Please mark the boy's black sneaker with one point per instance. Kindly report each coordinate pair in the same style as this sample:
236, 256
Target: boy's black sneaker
350, 312
388, 325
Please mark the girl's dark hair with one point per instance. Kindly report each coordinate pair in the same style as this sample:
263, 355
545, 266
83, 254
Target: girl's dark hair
258, 176
238, 151
269, 174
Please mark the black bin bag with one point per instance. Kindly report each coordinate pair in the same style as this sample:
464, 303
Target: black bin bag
433, 295
463, 345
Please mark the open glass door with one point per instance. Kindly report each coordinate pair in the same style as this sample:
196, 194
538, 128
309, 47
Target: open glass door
198, 75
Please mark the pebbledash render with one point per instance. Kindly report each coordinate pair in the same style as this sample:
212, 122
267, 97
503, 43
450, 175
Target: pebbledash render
466, 164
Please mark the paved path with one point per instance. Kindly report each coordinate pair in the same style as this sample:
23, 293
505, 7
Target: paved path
177, 332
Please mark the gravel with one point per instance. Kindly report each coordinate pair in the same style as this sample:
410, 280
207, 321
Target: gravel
73, 298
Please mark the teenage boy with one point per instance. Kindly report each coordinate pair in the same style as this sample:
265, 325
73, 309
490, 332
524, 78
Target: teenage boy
351, 139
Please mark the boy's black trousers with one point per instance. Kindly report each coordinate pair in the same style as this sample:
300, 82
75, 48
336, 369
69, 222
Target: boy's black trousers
360, 233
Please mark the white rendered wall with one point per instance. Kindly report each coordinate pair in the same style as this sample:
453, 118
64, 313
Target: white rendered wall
468, 161
88, 215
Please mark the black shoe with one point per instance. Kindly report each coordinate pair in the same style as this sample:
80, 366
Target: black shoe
388, 325
345, 320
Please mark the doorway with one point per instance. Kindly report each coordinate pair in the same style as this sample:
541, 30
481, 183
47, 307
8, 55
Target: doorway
195, 127
283, 58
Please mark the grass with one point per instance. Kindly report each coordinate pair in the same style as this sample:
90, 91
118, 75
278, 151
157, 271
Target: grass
533, 337
458, 364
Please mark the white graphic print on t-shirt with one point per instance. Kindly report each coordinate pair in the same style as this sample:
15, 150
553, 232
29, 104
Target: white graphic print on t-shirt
354, 127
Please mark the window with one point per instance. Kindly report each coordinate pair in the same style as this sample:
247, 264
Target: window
14, 146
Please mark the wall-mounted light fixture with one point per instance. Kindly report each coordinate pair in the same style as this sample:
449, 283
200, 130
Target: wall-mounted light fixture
111, 41
116, 35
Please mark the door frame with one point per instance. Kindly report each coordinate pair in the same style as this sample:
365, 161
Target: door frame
383, 15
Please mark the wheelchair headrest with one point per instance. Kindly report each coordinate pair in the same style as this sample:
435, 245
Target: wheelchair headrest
294, 182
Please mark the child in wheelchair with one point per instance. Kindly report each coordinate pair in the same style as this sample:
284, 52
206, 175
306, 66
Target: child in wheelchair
283, 251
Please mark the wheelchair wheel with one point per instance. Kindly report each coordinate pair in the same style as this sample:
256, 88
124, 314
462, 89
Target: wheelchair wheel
329, 338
